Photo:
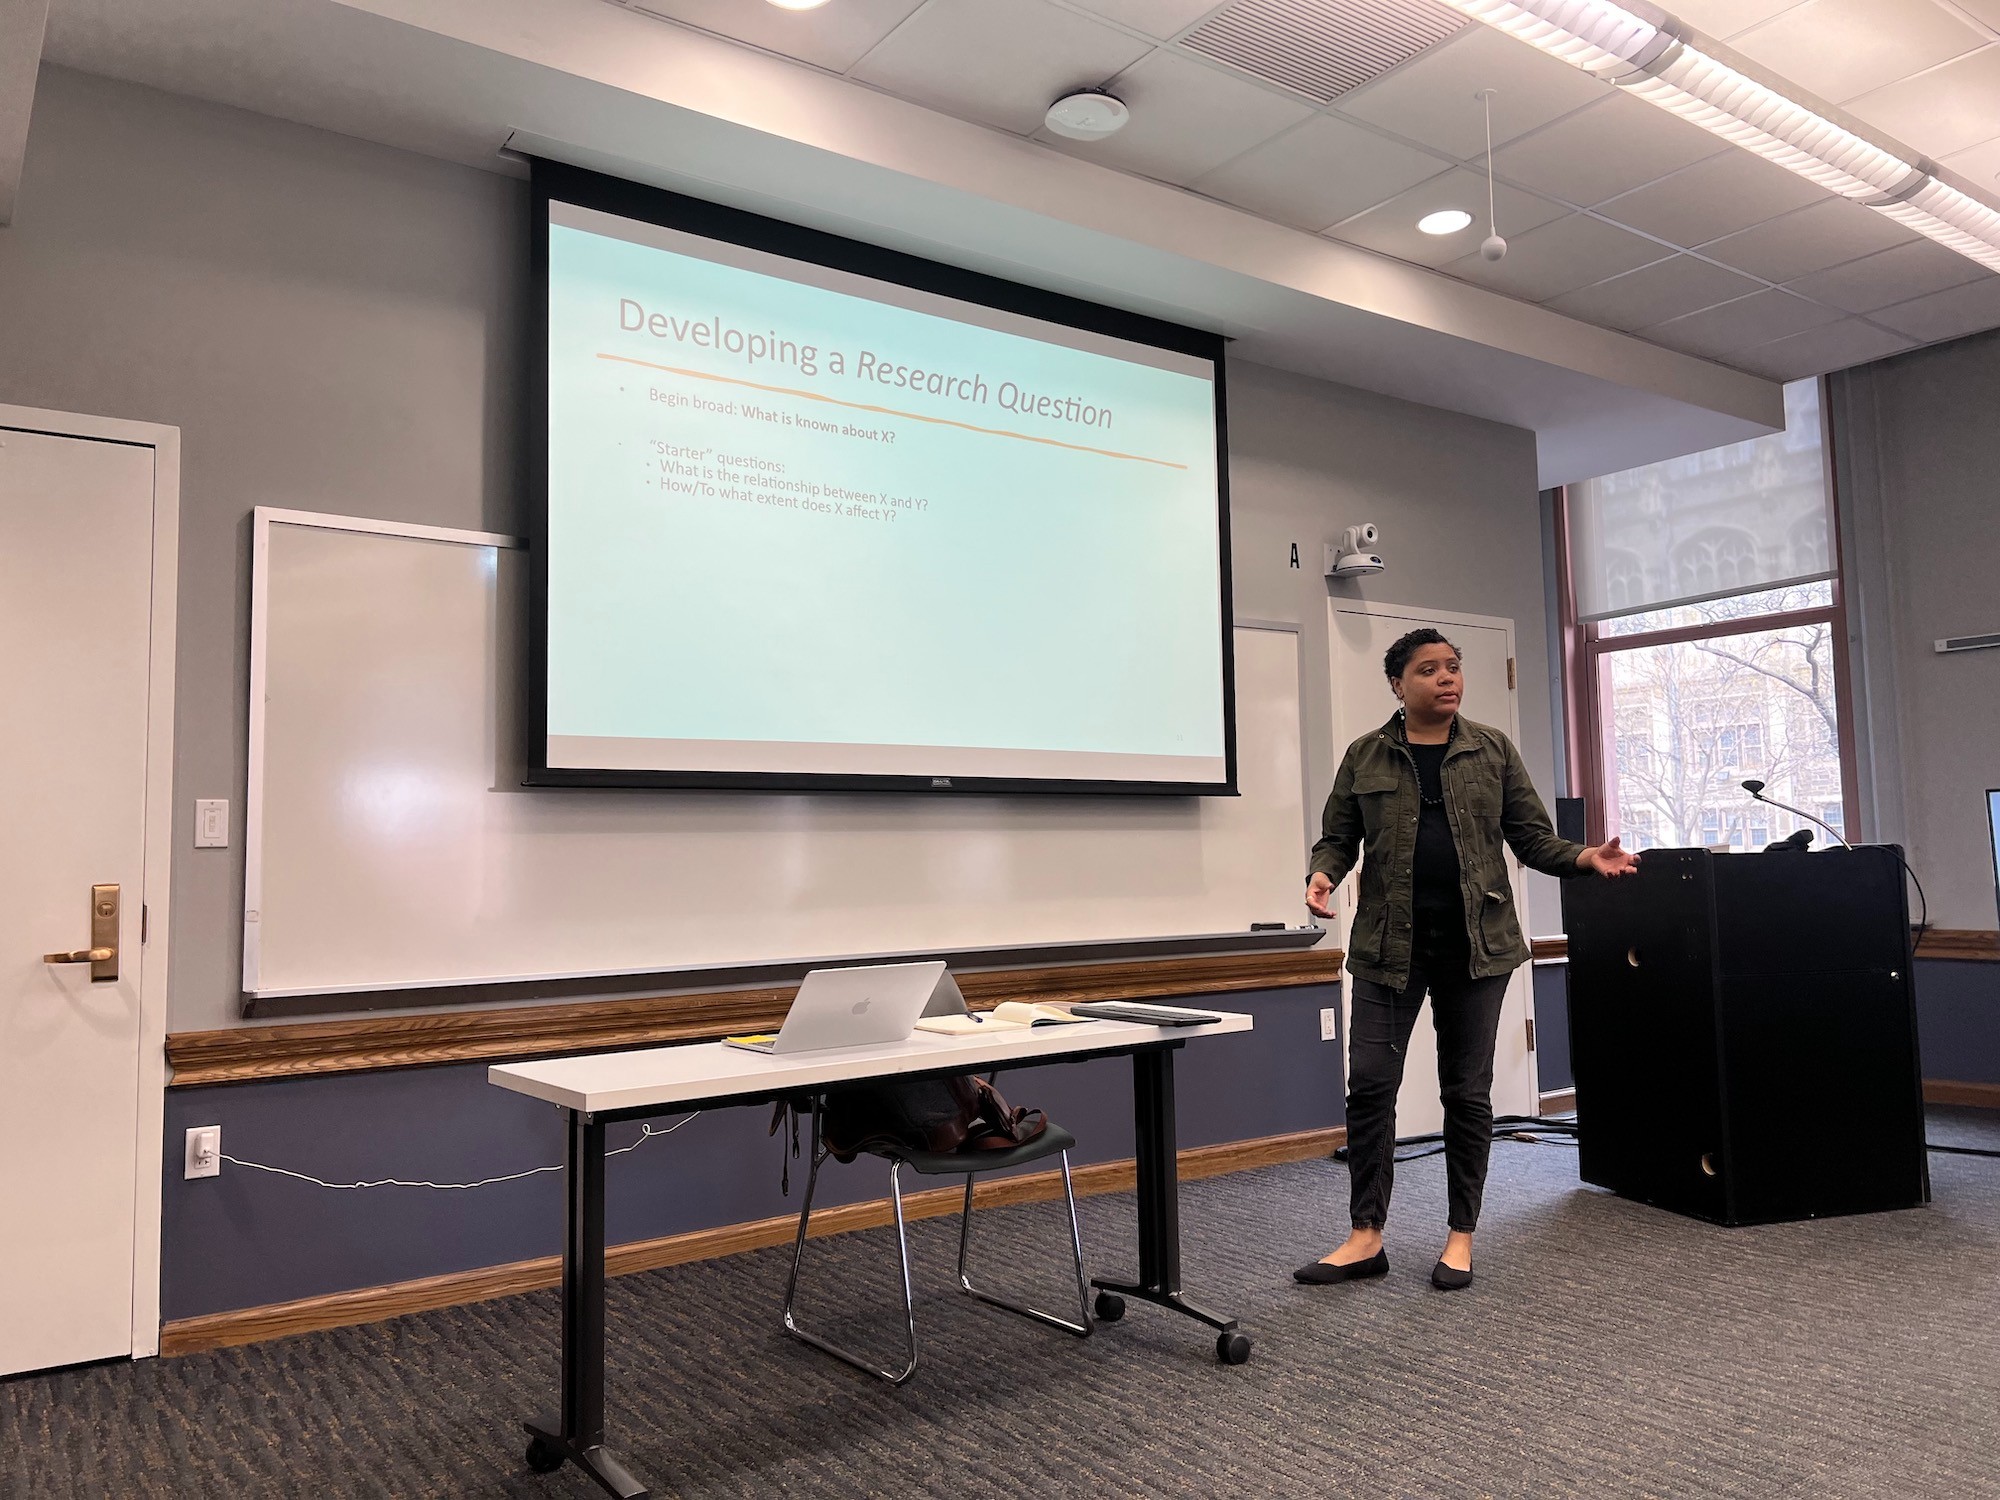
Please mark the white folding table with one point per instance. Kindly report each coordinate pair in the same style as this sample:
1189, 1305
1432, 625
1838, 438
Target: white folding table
600, 1089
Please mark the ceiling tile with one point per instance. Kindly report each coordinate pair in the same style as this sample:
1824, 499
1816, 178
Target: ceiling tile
1820, 235
1319, 173
1840, 48
1560, 257
1946, 315
1942, 111
1611, 147
834, 36
1732, 327
1980, 164
1913, 270
1725, 18
1987, 11
1430, 100
1160, 18
1392, 227
1000, 62
1713, 198
1187, 119
1821, 351
1652, 294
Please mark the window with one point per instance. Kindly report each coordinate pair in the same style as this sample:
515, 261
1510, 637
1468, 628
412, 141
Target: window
1705, 644
1740, 747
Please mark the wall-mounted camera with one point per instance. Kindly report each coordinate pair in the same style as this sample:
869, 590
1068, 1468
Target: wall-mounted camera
1354, 554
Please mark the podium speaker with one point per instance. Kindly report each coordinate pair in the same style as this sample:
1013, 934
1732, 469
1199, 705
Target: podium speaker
1744, 1035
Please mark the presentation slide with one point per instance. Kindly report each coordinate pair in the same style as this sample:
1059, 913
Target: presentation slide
804, 522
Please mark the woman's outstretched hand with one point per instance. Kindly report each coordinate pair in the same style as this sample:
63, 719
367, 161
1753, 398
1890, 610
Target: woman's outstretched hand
1608, 859
1319, 895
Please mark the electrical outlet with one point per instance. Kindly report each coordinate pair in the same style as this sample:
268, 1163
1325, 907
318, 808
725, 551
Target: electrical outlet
1329, 1025
204, 1151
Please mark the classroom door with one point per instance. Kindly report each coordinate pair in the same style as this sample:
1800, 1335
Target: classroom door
1359, 635
76, 548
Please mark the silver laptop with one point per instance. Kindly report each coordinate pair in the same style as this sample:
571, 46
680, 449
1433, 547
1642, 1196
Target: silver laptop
859, 1006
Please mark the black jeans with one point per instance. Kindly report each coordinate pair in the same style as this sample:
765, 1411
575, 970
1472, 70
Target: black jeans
1466, 1014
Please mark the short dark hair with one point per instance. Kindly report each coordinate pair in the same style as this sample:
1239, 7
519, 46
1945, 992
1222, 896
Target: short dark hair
1397, 657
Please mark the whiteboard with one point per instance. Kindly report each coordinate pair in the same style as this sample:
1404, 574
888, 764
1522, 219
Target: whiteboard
390, 844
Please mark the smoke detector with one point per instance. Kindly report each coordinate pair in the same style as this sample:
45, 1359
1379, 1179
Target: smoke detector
1087, 115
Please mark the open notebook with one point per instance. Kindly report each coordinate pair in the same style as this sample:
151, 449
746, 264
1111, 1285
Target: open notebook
1009, 1013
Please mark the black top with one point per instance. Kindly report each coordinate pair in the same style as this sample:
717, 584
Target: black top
1440, 910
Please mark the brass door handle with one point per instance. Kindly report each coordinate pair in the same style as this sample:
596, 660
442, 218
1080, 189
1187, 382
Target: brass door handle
102, 954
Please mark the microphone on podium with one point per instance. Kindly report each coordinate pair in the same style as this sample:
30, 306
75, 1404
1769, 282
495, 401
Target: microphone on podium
1756, 789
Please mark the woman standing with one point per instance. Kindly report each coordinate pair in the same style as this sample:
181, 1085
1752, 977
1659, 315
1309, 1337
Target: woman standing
1430, 798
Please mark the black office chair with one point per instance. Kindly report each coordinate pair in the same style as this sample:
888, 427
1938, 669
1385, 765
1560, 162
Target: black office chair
1053, 1141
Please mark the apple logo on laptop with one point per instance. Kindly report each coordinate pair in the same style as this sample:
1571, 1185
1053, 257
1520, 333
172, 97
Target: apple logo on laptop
860, 1007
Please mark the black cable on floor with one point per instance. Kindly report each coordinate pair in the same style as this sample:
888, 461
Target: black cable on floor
1961, 1150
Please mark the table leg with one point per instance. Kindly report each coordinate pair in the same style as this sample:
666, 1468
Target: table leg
579, 1437
1160, 1210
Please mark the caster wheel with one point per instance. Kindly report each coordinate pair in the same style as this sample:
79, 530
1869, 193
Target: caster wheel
1233, 1348
542, 1458
1110, 1307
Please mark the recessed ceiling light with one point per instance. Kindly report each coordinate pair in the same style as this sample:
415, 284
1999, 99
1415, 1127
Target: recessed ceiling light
798, 4
1444, 221
1087, 115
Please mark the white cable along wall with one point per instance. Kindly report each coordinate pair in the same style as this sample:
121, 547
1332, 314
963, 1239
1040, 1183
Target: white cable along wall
389, 844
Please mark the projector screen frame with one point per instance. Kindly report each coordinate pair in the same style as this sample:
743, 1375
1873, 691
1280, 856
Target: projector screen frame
561, 182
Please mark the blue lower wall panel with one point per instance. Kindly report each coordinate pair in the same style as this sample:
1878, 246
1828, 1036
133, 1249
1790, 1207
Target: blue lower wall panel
1552, 1066
248, 1238
1958, 1020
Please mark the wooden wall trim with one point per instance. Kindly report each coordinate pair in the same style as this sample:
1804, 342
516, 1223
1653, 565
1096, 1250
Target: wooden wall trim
371, 1304
299, 1049
1963, 944
1966, 944
1977, 1095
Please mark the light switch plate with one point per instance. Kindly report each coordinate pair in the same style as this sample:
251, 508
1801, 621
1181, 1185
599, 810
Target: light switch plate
211, 823
1329, 1020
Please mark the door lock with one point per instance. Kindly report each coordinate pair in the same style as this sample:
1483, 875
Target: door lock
102, 954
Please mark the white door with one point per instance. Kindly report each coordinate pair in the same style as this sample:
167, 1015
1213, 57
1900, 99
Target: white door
76, 566
1359, 635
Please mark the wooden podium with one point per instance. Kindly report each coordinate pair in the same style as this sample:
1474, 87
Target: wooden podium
1744, 1034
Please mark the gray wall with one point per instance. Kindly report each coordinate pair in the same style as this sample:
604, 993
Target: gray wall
1461, 532
337, 326
1918, 455
333, 326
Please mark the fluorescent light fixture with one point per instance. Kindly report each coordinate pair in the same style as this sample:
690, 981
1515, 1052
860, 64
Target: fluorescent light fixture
1649, 53
798, 4
1444, 221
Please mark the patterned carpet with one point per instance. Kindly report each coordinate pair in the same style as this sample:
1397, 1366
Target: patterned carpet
1606, 1350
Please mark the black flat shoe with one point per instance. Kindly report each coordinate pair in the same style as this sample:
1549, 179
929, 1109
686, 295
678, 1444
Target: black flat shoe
1319, 1273
1449, 1278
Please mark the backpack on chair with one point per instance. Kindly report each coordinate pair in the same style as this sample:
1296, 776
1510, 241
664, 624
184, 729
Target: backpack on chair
941, 1115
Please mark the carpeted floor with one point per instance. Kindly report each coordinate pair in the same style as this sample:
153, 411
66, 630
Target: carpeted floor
1606, 1350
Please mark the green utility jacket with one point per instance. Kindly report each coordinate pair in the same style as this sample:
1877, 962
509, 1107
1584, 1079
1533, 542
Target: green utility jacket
1488, 798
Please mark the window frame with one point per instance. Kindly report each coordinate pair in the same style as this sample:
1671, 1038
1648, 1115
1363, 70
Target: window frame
1586, 651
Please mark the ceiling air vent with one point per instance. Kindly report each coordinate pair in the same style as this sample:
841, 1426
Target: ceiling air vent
1968, 642
1322, 48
